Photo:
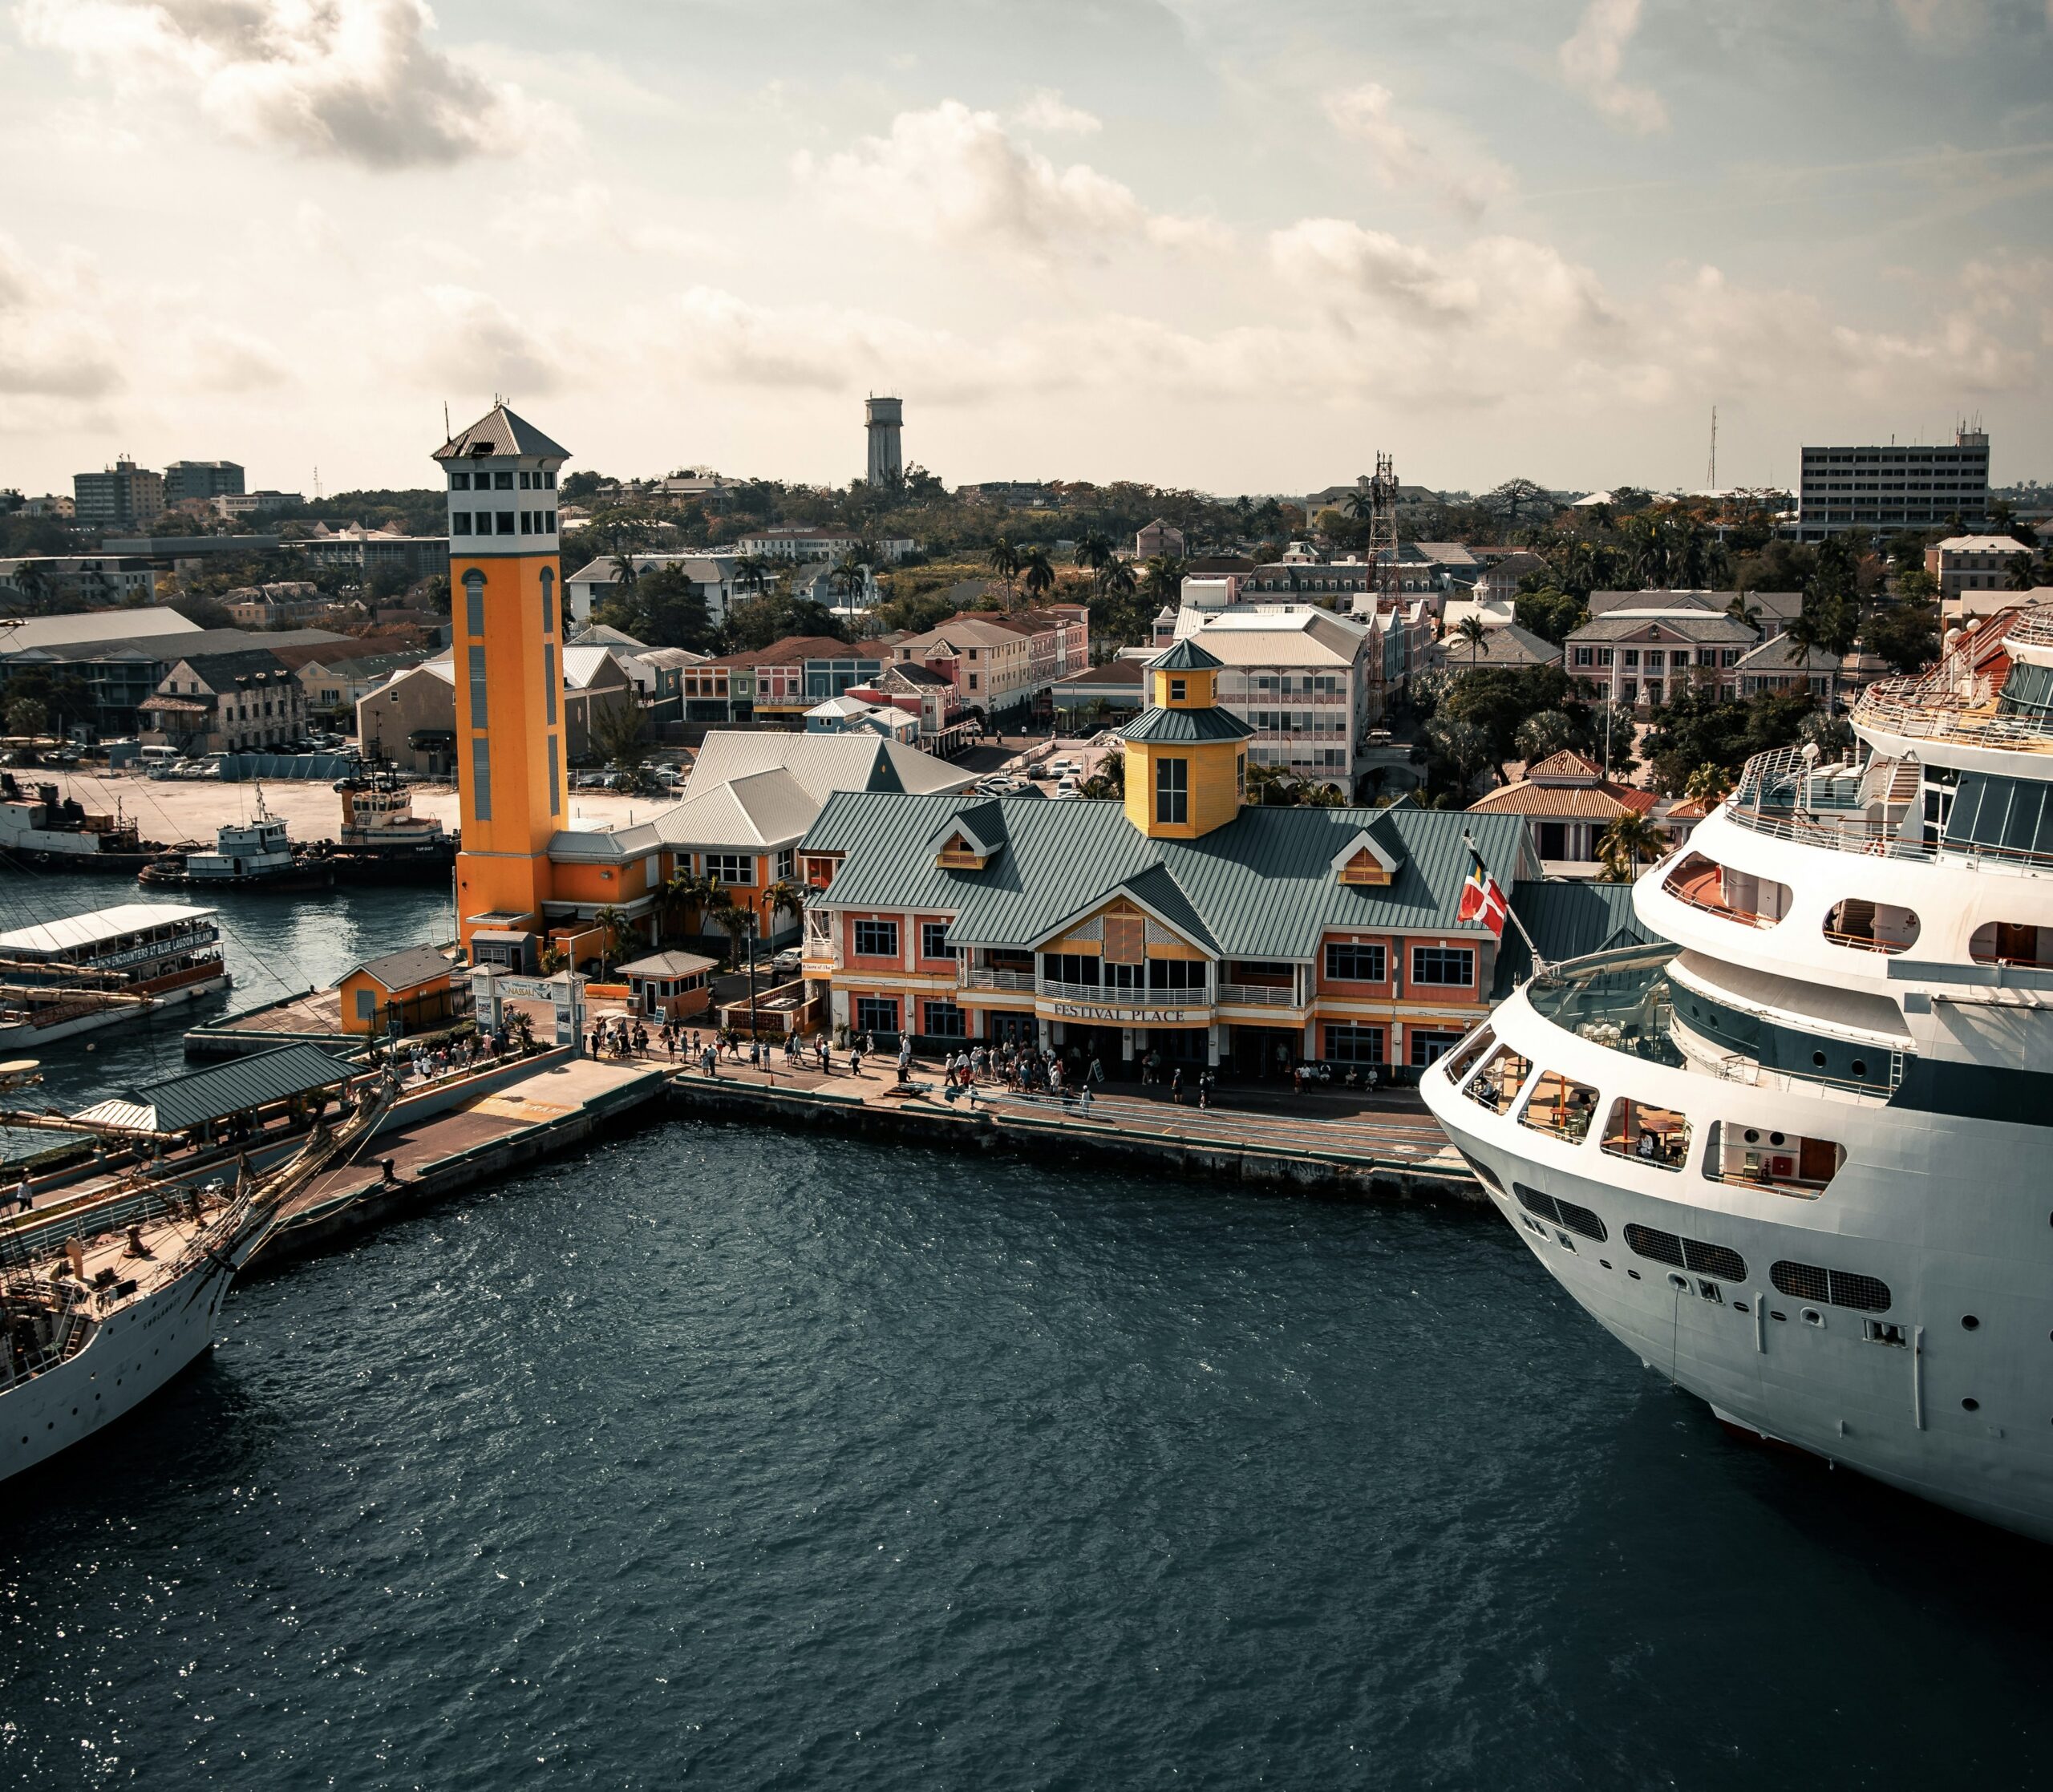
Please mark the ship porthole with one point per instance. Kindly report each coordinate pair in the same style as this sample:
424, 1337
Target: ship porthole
1812, 1317
1681, 1282
1818, 1058
1860, 1067
1970, 1405
1969, 1322
1634, 1273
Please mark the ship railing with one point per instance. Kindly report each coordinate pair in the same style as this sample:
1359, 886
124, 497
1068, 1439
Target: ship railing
1919, 709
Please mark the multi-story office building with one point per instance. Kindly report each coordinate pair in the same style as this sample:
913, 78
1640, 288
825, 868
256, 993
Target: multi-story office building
1897, 487
204, 479
1303, 680
122, 496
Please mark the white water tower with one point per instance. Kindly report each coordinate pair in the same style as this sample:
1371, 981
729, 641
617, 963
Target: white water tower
882, 418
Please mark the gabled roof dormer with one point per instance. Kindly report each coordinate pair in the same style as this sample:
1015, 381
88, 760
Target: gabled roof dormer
970, 839
1365, 861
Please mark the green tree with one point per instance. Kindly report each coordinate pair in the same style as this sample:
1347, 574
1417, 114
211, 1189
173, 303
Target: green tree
666, 608
1162, 581
761, 621
1094, 553
26, 716
616, 937
1003, 559
1036, 574
1462, 746
621, 732
1108, 782
1551, 613
1905, 636
1630, 841
1545, 733
1471, 632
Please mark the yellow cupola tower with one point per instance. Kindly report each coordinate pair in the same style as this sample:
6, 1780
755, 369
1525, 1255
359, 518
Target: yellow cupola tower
1186, 759
506, 602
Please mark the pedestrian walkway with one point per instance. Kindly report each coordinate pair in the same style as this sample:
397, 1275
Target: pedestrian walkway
1392, 1127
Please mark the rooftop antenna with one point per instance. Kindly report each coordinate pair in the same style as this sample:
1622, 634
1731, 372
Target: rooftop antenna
316, 484
447, 434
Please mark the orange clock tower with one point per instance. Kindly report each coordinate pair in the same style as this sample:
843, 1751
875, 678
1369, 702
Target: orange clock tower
506, 602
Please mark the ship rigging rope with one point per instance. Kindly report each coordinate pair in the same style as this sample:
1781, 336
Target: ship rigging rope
228, 927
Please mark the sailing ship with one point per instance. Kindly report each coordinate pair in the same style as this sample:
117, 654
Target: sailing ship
93, 1324
255, 855
59, 978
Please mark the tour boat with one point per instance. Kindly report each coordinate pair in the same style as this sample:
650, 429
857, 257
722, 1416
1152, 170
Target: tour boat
62, 977
113, 1303
257, 854
1788, 1153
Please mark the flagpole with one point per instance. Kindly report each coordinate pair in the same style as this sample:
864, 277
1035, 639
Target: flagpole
1511, 914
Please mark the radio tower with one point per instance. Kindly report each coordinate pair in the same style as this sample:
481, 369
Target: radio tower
1710, 477
1382, 528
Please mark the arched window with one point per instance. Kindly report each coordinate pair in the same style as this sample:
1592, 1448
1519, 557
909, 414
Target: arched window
474, 603
548, 601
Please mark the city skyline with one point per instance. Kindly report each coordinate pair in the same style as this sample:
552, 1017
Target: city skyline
1166, 242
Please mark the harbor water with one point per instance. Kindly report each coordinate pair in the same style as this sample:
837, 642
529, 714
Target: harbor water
736, 1457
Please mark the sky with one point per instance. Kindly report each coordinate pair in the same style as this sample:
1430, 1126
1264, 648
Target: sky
1240, 245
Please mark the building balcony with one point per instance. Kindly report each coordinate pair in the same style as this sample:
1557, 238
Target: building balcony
973, 976
1257, 995
1099, 995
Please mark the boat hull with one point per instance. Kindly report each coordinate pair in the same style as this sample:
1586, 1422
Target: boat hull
129, 1358
298, 878
1941, 1392
25, 1034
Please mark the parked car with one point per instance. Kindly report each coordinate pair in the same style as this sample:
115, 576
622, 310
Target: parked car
788, 960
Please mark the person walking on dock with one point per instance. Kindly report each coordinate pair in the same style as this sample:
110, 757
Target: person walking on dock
25, 1195
1177, 1086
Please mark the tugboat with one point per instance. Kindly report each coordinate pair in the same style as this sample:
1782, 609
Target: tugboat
384, 841
40, 829
255, 854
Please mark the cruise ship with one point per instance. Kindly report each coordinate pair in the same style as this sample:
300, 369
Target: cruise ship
1787, 1154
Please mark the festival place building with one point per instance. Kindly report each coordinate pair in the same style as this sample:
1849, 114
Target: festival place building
1183, 922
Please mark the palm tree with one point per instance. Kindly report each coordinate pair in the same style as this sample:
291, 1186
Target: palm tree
1115, 580
1035, 573
1003, 559
751, 573
784, 897
682, 894
1162, 580
851, 578
2024, 575
1741, 611
625, 571
1803, 634
734, 919
615, 930
1470, 629
1094, 553
1630, 840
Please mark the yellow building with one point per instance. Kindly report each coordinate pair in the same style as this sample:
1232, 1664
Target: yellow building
505, 588
1186, 759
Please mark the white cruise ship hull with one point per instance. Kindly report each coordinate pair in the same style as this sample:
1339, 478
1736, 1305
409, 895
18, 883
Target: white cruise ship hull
129, 1357
20, 1035
1947, 1392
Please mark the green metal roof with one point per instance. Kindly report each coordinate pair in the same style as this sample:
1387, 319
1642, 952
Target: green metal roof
1566, 921
1174, 726
1186, 656
1261, 887
233, 1087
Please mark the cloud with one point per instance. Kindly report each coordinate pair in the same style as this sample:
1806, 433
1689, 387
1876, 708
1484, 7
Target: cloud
216, 359
1363, 114
53, 345
356, 80
1590, 61
1048, 110
587, 215
458, 339
949, 174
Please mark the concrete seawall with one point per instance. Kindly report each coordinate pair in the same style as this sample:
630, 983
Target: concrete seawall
1066, 1139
